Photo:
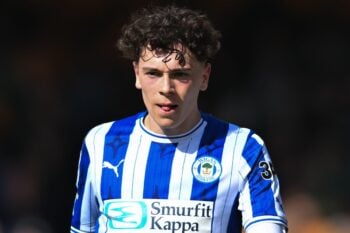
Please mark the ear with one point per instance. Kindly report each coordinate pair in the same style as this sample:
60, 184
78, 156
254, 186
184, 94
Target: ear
205, 75
137, 74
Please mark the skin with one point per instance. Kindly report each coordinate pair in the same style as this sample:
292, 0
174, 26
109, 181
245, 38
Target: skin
170, 91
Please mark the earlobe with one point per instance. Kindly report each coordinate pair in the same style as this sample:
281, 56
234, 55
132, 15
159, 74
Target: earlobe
136, 72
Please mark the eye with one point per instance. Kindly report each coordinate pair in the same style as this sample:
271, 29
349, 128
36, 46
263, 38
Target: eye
152, 73
181, 75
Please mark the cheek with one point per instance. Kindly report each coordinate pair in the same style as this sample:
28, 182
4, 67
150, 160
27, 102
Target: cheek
148, 92
145, 99
144, 85
190, 93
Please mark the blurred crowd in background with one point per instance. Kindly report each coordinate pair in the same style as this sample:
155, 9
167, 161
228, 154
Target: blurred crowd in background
283, 70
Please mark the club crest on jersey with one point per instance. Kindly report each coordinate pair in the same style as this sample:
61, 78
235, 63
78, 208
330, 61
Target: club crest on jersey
206, 169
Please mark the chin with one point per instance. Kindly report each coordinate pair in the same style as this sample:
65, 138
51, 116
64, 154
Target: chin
167, 123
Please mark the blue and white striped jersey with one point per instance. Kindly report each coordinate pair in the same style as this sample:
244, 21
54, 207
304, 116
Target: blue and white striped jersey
216, 178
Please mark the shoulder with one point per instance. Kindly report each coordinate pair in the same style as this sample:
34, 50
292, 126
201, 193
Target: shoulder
114, 127
246, 141
216, 123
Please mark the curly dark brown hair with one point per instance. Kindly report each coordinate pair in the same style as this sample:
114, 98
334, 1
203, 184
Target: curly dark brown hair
163, 28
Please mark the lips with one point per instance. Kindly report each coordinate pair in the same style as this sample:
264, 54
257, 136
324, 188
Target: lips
167, 107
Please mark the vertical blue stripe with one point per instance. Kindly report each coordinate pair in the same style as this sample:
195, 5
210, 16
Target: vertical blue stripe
116, 145
251, 150
158, 170
83, 169
261, 194
235, 222
211, 145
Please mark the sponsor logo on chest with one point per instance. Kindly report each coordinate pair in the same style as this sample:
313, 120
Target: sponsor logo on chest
158, 215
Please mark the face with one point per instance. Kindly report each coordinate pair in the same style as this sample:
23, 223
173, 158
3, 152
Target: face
170, 90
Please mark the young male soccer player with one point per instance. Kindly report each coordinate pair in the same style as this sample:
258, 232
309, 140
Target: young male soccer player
174, 168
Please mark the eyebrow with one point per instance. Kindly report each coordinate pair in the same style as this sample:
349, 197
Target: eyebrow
170, 71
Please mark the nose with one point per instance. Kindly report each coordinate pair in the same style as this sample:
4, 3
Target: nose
166, 85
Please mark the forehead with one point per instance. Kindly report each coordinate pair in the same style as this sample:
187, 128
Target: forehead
177, 57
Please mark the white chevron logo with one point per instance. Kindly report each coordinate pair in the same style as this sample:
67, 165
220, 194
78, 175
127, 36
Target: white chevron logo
114, 168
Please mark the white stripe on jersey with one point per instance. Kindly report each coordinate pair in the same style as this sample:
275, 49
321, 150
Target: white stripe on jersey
181, 177
95, 143
88, 210
244, 200
135, 165
231, 156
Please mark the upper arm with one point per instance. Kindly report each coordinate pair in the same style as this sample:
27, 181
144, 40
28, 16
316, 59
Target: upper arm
260, 199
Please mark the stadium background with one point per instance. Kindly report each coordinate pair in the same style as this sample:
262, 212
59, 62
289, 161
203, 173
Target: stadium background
283, 70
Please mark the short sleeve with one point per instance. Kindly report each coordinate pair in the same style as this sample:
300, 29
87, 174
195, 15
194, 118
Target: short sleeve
85, 207
260, 199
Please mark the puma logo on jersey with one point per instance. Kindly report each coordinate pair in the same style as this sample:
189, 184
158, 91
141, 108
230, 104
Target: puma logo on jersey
114, 168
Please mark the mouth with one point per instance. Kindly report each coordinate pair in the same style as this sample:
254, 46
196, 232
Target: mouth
167, 107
